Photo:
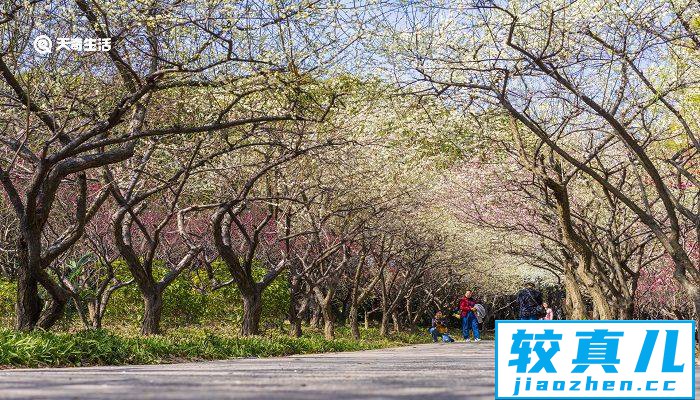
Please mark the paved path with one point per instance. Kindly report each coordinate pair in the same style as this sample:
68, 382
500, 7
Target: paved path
432, 371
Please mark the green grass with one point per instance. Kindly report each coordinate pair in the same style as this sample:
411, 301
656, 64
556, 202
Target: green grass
102, 347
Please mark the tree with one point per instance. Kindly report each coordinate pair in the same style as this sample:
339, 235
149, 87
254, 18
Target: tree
143, 229
573, 75
69, 115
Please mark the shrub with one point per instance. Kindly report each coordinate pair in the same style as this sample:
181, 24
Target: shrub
8, 294
189, 302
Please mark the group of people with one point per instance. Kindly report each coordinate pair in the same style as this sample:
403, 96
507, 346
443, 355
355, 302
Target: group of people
471, 313
531, 305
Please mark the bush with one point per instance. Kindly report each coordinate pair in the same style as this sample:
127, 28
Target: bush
188, 302
8, 294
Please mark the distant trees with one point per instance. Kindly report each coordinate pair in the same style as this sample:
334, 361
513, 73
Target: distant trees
243, 136
206, 133
604, 88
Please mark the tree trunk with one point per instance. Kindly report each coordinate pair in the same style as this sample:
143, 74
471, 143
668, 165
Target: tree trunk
586, 270
395, 321
694, 295
153, 307
353, 321
295, 328
345, 310
83, 311
315, 321
683, 266
28, 305
384, 325
600, 301
294, 320
696, 300
575, 309
366, 320
252, 310
626, 310
53, 311
328, 321
95, 314
294, 317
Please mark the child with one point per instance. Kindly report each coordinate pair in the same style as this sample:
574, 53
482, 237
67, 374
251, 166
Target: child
549, 314
438, 328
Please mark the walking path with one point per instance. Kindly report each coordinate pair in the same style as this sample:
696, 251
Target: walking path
432, 371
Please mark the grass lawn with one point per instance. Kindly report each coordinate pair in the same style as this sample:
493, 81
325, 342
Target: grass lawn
106, 347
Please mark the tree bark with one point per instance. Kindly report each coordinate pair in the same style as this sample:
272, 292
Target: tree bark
353, 321
345, 310
28, 305
384, 325
294, 319
696, 301
95, 315
83, 311
252, 310
600, 301
694, 294
626, 310
395, 321
295, 328
328, 321
52, 312
575, 308
683, 265
153, 307
585, 270
58, 297
315, 321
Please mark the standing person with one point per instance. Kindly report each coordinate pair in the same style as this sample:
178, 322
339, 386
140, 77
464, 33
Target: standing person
467, 313
439, 328
529, 300
549, 314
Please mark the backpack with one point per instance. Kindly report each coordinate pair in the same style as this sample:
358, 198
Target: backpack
480, 312
539, 311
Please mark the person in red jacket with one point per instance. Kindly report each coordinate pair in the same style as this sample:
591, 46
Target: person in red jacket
467, 313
